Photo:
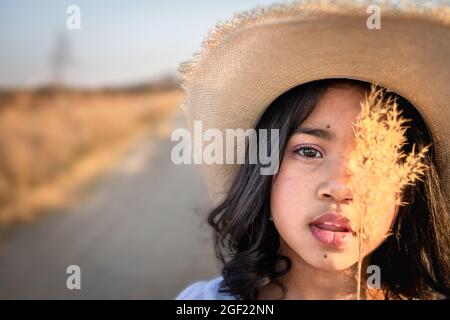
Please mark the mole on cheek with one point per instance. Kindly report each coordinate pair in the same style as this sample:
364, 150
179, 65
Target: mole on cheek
328, 126
325, 256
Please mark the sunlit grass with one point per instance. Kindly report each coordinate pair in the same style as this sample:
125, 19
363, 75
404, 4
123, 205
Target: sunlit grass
379, 169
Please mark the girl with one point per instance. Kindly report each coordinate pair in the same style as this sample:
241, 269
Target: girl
286, 236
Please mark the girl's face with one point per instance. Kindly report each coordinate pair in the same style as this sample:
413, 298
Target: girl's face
311, 187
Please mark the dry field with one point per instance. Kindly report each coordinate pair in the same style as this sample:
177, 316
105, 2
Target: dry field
53, 143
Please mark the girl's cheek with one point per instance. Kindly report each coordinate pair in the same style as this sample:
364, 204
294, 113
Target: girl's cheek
289, 186
288, 195
294, 177
378, 234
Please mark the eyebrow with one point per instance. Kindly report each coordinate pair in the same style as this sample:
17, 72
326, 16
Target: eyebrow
317, 132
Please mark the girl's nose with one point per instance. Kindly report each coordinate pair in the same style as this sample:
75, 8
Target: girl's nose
338, 191
337, 187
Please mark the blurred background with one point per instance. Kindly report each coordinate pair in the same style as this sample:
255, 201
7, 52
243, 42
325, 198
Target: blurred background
89, 95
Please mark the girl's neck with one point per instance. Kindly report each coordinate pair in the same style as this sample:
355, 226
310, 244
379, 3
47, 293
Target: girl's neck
305, 282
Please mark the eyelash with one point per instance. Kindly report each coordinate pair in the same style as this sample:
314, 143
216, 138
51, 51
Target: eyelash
303, 147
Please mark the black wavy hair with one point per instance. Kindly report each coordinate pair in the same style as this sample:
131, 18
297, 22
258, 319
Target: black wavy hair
414, 261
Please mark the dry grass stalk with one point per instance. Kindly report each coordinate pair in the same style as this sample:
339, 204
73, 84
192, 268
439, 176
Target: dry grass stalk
379, 169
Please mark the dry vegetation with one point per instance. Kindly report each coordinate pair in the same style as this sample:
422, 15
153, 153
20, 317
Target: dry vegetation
52, 143
380, 134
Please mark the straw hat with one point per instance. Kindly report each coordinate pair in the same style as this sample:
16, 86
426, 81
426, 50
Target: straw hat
248, 61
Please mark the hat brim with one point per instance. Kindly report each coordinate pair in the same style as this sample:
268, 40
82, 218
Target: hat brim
247, 64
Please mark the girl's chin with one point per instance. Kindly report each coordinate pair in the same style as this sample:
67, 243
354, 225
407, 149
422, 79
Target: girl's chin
331, 261
320, 257
330, 264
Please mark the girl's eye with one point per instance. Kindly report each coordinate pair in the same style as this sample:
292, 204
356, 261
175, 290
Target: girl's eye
308, 152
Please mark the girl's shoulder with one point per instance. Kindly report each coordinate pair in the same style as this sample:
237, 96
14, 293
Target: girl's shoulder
204, 290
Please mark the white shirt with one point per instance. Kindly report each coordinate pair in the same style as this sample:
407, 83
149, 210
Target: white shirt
204, 290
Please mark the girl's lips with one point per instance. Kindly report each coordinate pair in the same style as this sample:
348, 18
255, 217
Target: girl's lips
332, 229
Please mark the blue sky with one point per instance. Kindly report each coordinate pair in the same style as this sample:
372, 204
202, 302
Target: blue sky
120, 42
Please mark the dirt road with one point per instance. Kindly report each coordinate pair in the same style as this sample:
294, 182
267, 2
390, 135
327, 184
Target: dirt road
139, 235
